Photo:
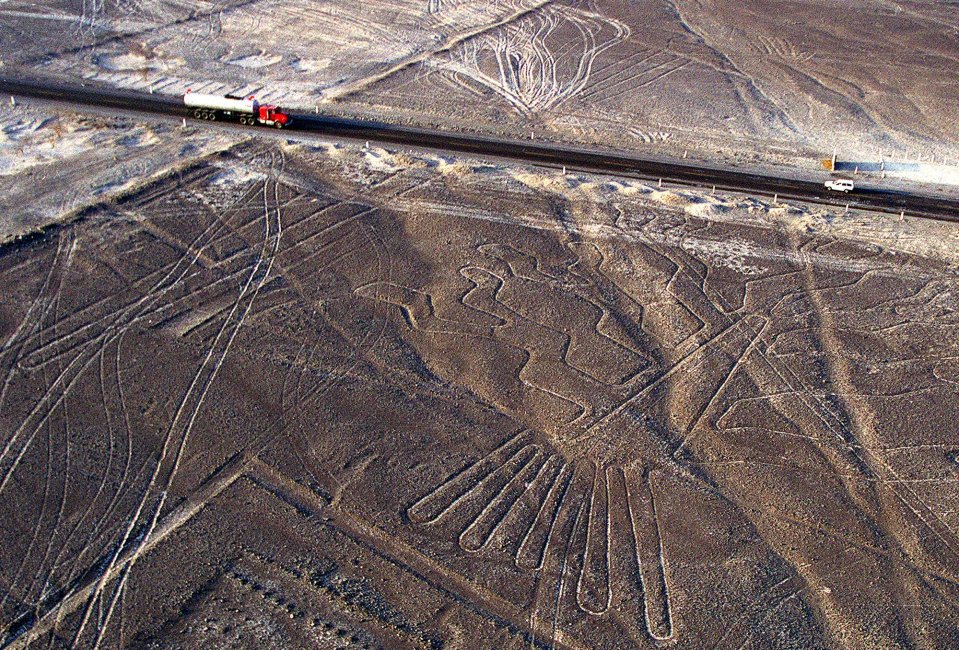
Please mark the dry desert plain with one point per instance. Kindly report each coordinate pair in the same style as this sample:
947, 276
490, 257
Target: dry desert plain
771, 82
266, 392
321, 396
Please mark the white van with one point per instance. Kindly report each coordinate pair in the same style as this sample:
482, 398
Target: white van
840, 186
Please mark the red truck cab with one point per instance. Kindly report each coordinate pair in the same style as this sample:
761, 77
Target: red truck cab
273, 116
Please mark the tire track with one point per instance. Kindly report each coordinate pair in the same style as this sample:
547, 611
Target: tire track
189, 408
419, 57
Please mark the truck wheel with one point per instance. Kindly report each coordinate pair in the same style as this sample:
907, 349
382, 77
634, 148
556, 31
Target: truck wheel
278, 125
198, 114
212, 115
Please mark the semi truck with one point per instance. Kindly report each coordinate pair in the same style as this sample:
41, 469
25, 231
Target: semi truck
245, 110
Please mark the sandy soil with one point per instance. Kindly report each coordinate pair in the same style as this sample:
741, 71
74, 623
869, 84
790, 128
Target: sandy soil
318, 396
54, 164
265, 394
784, 82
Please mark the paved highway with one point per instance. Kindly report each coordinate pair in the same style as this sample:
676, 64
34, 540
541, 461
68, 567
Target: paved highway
868, 197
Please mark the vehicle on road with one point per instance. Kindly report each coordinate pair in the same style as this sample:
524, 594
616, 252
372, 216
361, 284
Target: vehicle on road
840, 185
245, 110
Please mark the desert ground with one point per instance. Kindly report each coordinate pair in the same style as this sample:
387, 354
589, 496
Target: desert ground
772, 83
56, 164
327, 396
261, 390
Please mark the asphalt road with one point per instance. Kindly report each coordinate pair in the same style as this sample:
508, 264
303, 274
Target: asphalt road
868, 197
